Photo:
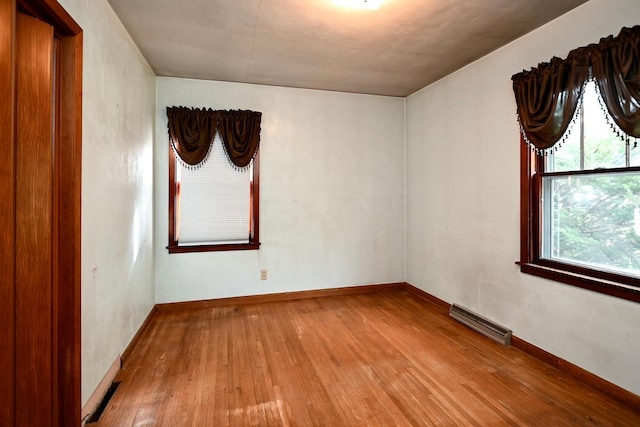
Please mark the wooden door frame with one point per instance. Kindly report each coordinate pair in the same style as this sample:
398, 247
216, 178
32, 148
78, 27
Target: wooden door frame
7, 213
66, 393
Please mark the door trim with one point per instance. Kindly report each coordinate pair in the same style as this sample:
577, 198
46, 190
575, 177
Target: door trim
7, 213
66, 394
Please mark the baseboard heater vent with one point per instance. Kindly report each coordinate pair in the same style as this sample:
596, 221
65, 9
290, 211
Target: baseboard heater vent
481, 324
103, 404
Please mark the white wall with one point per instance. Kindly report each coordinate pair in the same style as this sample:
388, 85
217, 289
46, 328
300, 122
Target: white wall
117, 189
331, 217
463, 204
331, 185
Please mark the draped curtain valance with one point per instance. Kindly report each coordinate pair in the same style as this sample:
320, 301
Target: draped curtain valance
547, 96
192, 130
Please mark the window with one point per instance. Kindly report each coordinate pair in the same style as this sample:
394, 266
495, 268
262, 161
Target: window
590, 201
213, 207
214, 185
580, 166
585, 205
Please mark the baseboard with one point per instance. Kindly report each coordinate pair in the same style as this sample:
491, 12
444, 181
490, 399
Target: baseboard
97, 395
616, 392
285, 296
136, 337
628, 398
441, 304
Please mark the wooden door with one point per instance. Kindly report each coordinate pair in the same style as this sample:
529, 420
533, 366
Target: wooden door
40, 104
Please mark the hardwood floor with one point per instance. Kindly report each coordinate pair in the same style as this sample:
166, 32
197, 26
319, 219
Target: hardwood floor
381, 359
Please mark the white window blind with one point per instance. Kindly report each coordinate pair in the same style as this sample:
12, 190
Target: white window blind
214, 201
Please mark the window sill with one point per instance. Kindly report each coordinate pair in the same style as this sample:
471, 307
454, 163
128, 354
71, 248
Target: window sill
213, 248
595, 284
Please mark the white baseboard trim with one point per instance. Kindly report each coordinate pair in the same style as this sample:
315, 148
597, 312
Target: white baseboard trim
96, 397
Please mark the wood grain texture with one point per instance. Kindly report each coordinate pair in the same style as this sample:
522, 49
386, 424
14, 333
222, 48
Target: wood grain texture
68, 190
66, 215
7, 214
374, 359
53, 13
35, 284
40, 179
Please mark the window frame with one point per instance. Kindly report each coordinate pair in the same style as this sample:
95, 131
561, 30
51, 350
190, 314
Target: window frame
254, 203
532, 167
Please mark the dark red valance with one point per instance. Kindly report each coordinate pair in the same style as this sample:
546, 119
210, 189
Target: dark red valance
616, 69
240, 132
547, 96
192, 130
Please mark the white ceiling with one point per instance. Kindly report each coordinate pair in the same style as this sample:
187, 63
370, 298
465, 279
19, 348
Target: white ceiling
396, 50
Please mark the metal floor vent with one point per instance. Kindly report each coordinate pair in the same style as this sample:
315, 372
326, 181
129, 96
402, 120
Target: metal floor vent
481, 324
105, 401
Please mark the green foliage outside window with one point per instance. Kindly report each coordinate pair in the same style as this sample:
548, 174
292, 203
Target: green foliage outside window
593, 218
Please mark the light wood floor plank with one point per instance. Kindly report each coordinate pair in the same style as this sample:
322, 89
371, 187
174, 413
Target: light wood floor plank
377, 359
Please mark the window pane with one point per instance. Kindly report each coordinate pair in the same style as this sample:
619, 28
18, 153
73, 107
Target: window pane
635, 156
214, 201
567, 156
593, 220
602, 148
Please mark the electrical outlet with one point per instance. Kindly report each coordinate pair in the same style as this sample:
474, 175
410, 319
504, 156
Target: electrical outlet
263, 274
